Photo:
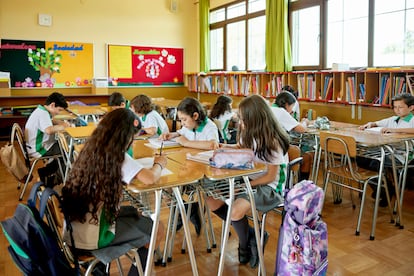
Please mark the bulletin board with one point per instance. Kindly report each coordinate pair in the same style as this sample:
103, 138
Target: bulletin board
145, 66
47, 63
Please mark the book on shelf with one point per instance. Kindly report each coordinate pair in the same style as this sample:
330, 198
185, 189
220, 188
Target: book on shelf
157, 143
202, 157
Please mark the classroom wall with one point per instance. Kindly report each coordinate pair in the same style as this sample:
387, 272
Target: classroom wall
130, 22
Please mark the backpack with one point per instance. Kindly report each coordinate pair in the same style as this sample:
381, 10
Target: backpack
33, 245
13, 162
303, 236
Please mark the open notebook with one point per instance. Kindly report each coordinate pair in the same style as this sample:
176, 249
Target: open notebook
156, 143
202, 157
374, 129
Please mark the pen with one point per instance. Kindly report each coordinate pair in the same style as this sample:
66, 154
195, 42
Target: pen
162, 144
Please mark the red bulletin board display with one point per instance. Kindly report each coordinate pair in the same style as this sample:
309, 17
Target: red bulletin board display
146, 66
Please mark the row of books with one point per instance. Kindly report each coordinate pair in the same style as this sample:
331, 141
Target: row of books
306, 87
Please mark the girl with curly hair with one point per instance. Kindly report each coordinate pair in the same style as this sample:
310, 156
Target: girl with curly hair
92, 194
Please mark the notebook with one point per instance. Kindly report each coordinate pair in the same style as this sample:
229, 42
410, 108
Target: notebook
156, 143
202, 157
374, 129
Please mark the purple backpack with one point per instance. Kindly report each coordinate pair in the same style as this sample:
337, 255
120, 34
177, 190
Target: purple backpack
303, 236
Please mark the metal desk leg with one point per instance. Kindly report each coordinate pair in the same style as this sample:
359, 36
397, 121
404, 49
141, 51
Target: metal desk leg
374, 215
397, 191
223, 245
69, 158
262, 268
156, 220
180, 205
316, 160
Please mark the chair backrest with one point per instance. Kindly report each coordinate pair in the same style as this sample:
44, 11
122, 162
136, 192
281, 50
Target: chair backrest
220, 130
338, 143
295, 159
18, 134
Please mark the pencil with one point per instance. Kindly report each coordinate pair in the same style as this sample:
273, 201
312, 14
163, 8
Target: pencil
162, 144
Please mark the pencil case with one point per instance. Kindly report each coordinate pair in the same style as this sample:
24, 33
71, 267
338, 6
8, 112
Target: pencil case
240, 159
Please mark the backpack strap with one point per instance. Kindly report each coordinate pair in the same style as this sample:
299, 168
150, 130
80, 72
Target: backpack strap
48, 192
31, 201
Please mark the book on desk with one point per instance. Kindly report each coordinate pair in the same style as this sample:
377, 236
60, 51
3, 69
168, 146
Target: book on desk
158, 143
202, 157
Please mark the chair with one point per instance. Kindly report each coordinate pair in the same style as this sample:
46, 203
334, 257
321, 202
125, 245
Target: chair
341, 170
31, 162
293, 169
64, 149
87, 261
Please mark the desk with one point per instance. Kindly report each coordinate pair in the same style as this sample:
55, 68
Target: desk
377, 145
76, 134
87, 111
229, 175
181, 176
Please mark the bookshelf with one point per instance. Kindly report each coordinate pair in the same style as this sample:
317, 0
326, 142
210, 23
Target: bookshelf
367, 88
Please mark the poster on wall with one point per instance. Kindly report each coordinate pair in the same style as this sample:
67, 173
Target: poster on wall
47, 63
146, 66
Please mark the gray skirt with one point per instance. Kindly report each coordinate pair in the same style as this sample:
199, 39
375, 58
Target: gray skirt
265, 197
131, 231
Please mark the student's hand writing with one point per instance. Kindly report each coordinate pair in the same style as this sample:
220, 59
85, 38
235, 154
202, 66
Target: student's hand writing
387, 130
181, 140
166, 136
367, 125
162, 160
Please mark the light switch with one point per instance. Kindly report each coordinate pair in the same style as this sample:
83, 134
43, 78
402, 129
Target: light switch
45, 19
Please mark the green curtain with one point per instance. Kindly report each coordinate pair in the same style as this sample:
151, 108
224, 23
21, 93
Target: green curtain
278, 49
204, 12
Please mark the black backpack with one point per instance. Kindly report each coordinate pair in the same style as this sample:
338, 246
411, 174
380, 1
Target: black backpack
33, 245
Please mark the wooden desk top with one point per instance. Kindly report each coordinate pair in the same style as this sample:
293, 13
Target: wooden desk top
81, 110
370, 139
80, 132
181, 175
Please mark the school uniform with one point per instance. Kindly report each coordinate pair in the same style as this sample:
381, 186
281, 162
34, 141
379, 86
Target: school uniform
129, 230
206, 131
296, 111
225, 120
397, 122
284, 118
270, 195
154, 119
38, 141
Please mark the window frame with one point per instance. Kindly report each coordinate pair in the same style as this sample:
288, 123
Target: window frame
223, 24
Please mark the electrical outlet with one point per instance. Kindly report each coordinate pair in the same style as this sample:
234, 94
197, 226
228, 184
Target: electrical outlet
45, 19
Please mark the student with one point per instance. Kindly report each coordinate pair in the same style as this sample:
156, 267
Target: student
40, 132
283, 109
260, 131
222, 112
92, 195
296, 107
403, 122
152, 122
117, 100
197, 131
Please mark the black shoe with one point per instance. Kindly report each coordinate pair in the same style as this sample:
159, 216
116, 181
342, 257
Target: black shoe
254, 259
383, 202
195, 218
244, 255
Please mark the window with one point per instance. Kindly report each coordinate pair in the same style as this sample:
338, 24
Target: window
361, 33
394, 33
347, 32
237, 36
305, 30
